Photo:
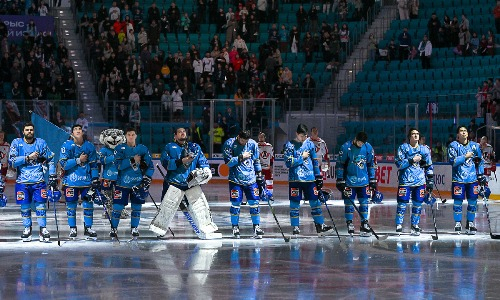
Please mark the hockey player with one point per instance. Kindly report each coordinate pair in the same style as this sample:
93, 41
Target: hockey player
110, 138
467, 171
416, 176
321, 152
355, 171
4, 155
266, 157
490, 165
135, 170
241, 154
304, 178
78, 159
3, 198
31, 157
187, 168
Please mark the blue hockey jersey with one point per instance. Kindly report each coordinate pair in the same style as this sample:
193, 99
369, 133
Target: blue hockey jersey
33, 171
300, 169
463, 170
241, 172
173, 152
78, 175
130, 174
108, 161
356, 165
413, 174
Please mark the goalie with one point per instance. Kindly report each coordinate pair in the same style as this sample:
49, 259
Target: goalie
187, 169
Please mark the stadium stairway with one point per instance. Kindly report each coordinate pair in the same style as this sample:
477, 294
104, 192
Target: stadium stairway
84, 79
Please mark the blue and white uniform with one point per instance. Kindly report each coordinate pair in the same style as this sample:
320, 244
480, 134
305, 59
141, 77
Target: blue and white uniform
357, 166
464, 172
130, 175
301, 176
242, 177
110, 168
30, 181
412, 177
177, 172
77, 178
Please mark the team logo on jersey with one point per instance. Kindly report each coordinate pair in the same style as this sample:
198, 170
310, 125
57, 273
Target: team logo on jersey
106, 183
476, 190
422, 193
294, 192
256, 192
348, 192
20, 196
43, 193
235, 194
265, 155
70, 192
118, 194
360, 162
315, 190
457, 190
402, 192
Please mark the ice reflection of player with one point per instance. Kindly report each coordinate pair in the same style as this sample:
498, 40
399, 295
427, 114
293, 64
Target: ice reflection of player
247, 283
33, 278
466, 284
410, 265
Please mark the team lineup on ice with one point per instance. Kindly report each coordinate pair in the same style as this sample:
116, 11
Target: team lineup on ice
127, 171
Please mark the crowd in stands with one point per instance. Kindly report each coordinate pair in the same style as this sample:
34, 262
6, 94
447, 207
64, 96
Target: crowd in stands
134, 68
488, 101
32, 71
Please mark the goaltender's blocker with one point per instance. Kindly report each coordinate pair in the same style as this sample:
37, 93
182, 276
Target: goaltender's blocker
187, 169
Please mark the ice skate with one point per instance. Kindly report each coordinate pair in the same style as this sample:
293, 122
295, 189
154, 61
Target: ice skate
236, 232
350, 228
365, 229
295, 231
458, 227
73, 233
257, 232
135, 233
113, 234
399, 229
90, 233
470, 228
44, 235
415, 230
323, 229
26, 235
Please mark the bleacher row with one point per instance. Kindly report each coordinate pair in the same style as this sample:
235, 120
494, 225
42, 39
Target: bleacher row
382, 89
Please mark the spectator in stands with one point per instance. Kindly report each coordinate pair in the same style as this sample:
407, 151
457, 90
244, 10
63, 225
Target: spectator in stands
218, 134
287, 76
433, 26
404, 39
231, 29
59, 121
82, 121
43, 10
464, 24
413, 8
425, 50
392, 50
496, 115
273, 9
309, 90
439, 152
308, 47
344, 37
166, 101
495, 91
302, 18
491, 46
463, 41
372, 46
135, 118
474, 44
404, 13
294, 40
153, 36
114, 12
447, 30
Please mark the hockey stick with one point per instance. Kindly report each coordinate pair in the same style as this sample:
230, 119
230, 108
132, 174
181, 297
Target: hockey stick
443, 200
435, 238
321, 192
493, 236
108, 216
277, 222
55, 217
359, 213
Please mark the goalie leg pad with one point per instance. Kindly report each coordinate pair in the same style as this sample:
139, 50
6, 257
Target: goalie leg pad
26, 214
41, 214
199, 210
88, 213
168, 208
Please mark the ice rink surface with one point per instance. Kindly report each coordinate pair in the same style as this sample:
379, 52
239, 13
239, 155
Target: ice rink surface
184, 267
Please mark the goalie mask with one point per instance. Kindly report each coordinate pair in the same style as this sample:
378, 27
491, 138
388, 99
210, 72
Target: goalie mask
112, 137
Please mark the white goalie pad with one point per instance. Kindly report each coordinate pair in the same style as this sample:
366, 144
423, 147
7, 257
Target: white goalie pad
200, 212
168, 208
199, 176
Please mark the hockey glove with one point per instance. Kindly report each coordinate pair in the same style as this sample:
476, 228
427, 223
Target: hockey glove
53, 195
378, 197
482, 179
319, 182
373, 184
53, 181
146, 183
323, 196
484, 191
341, 185
429, 185
261, 181
94, 187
